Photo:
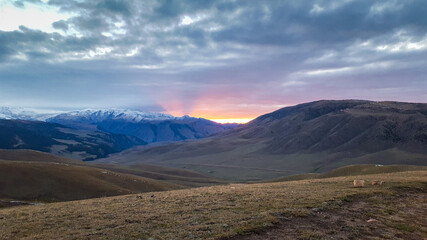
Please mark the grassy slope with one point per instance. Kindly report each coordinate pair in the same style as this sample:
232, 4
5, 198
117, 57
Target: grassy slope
44, 181
242, 162
172, 175
312, 137
36, 176
35, 156
352, 170
208, 213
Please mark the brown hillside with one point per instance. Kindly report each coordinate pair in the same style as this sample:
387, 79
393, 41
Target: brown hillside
35, 156
43, 181
311, 137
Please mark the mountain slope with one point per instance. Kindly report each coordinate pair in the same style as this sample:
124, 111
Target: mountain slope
146, 126
60, 140
150, 127
311, 137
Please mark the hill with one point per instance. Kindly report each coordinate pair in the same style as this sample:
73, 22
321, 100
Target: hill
35, 156
311, 137
306, 209
352, 170
36, 176
60, 182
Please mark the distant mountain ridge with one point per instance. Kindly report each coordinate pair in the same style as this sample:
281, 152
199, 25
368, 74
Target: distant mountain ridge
85, 115
98, 115
95, 133
30, 114
149, 127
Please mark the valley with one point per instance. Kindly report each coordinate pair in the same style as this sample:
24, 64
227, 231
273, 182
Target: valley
280, 176
312, 137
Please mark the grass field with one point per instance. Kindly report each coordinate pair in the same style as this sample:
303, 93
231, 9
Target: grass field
200, 213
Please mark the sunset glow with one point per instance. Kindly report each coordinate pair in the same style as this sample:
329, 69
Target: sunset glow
233, 120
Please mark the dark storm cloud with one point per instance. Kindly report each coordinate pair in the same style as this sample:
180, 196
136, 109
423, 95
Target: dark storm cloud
277, 51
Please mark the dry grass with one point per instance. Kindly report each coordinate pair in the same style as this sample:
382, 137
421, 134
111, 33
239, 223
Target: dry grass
36, 176
202, 213
47, 182
352, 170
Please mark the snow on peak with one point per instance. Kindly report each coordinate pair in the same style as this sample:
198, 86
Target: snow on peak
26, 113
85, 115
97, 115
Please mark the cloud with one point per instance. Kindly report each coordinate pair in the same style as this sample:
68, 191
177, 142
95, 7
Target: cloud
274, 52
61, 24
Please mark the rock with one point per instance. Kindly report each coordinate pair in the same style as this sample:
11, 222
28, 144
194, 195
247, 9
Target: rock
372, 220
359, 183
225, 225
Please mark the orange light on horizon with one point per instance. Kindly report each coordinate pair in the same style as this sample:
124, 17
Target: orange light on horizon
233, 120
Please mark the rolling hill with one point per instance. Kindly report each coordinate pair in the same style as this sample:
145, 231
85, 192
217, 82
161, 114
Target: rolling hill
310, 137
37, 176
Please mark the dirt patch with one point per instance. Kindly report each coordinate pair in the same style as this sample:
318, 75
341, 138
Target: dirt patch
400, 215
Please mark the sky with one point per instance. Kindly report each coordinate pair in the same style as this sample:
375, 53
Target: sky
217, 59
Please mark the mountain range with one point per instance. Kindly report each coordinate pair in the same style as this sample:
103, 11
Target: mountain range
149, 127
310, 137
90, 134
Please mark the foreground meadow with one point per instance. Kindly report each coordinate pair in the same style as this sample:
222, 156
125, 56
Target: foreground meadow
201, 213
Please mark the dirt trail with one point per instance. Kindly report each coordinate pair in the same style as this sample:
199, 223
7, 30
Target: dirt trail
398, 216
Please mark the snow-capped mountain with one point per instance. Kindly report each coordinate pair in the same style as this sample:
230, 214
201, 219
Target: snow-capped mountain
149, 127
99, 115
86, 115
26, 113
146, 126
